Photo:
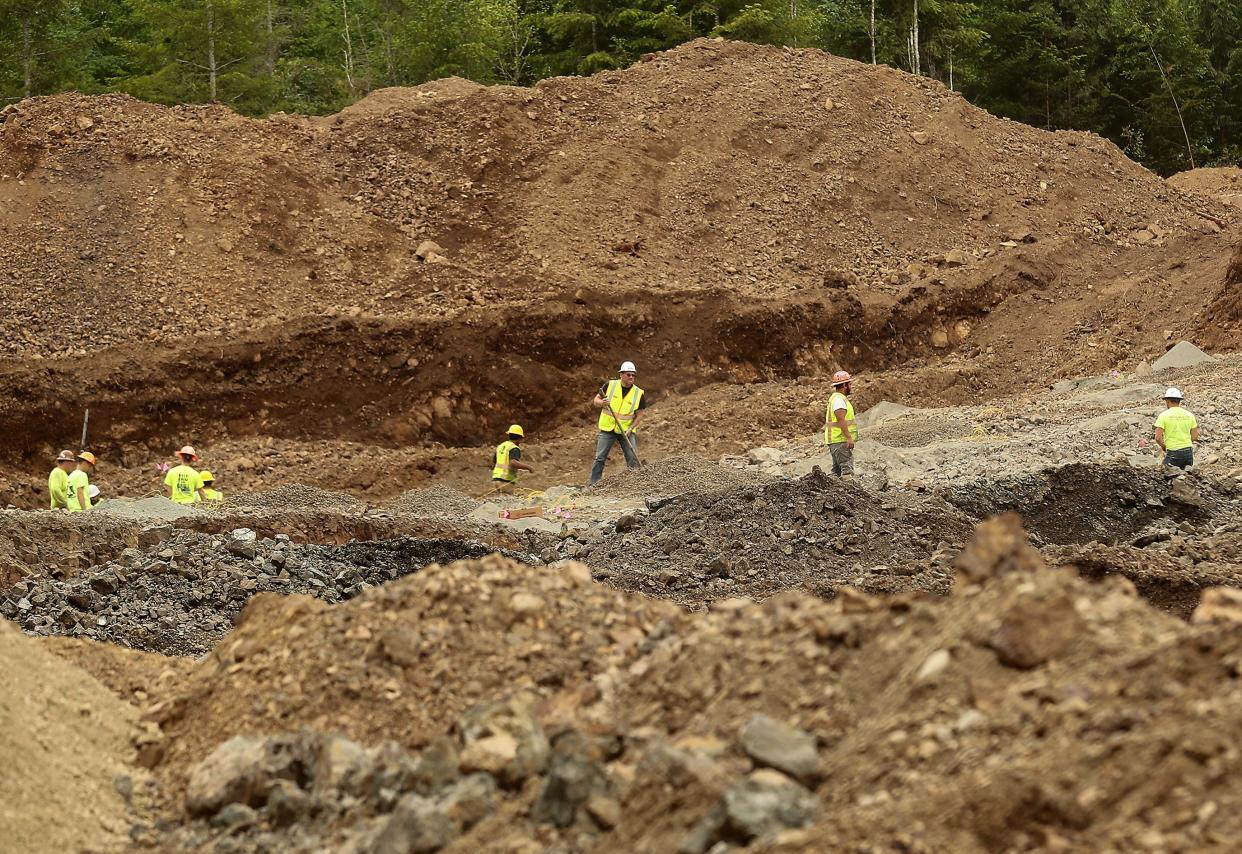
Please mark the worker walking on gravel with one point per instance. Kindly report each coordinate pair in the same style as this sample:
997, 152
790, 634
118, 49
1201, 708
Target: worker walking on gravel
1176, 431
621, 404
210, 495
183, 482
507, 461
58, 481
840, 432
80, 483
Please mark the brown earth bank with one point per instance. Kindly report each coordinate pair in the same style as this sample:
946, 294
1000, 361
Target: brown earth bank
723, 213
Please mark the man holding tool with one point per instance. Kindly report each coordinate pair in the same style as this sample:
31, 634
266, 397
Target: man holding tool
621, 404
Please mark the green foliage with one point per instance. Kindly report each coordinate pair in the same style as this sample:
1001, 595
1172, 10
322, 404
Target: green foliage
1162, 78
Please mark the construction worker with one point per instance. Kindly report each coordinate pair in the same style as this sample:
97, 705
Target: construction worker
840, 433
621, 404
58, 481
183, 482
1176, 431
210, 495
508, 461
80, 483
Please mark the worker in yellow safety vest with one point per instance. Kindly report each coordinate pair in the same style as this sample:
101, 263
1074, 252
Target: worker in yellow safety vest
183, 482
58, 481
210, 495
840, 433
621, 404
80, 483
507, 461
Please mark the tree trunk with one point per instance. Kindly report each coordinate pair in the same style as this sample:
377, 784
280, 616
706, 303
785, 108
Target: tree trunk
950, 69
349, 52
213, 70
871, 31
918, 60
269, 61
27, 58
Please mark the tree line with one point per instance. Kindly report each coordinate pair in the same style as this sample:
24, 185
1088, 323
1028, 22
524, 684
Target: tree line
1161, 78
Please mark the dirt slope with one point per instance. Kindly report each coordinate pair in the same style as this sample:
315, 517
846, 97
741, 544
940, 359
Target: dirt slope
723, 212
66, 742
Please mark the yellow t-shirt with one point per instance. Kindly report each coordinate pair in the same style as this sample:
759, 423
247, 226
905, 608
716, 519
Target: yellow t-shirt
78, 479
212, 495
1177, 422
184, 483
58, 488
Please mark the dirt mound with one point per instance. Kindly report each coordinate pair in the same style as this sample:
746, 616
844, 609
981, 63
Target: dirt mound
757, 540
1222, 182
407, 658
796, 724
67, 754
941, 214
673, 475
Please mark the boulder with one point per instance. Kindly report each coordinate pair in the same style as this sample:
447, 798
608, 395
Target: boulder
777, 745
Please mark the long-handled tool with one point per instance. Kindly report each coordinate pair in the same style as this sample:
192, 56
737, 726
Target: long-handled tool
625, 439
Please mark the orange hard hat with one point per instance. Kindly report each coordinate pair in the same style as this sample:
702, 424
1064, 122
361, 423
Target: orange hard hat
841, 378
188, 451
87, 456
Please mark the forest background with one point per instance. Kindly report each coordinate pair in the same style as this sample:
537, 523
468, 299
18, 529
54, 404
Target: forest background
1161, 78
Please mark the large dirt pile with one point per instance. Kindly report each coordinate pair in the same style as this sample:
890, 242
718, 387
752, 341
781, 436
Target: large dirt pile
68, 772
489, 702
761, 201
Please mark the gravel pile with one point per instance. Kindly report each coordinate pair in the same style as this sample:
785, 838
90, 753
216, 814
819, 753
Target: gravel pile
153, 509
757, 540
293, 496
435, 501
184, 590
674, 475
915, 431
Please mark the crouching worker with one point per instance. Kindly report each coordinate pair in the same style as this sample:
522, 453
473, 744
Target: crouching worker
211, 496
508, 461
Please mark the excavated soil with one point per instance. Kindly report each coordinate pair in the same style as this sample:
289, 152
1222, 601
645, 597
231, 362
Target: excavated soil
867, 219
69, 780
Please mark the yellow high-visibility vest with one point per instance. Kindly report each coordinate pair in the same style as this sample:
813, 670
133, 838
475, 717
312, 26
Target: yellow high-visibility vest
832, 433
210, 494
624, 403
502, 470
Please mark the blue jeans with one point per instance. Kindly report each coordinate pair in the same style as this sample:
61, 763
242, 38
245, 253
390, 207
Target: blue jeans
1183, 458
603, 446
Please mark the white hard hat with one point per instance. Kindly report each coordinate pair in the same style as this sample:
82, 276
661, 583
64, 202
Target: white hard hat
92, 491
1173, 394
627, 368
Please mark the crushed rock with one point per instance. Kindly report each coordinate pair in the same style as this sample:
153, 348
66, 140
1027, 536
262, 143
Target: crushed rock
293, 496
672, 475
184, 593
436, 501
